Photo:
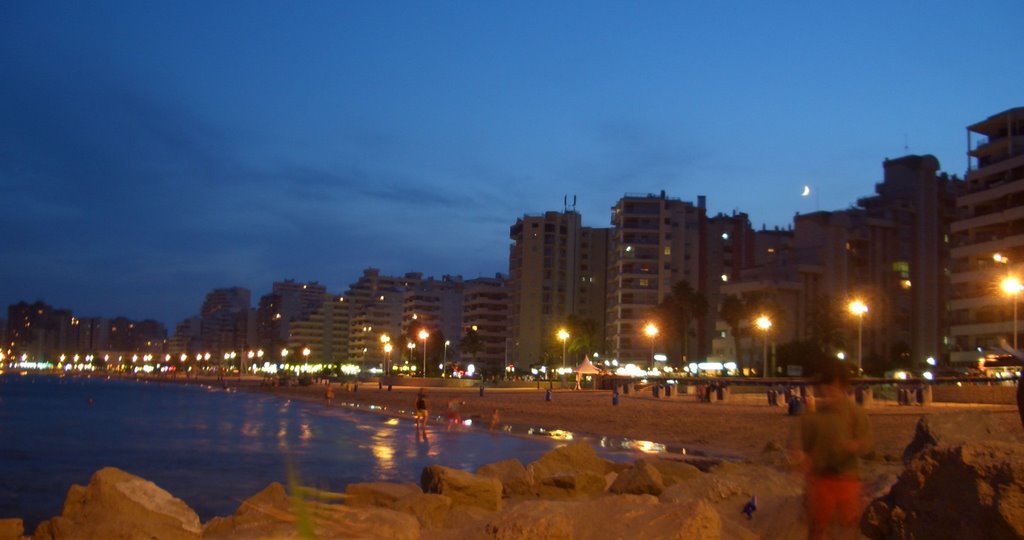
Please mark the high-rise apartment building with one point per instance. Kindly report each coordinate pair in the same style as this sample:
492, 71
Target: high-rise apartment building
225, 320
485, 312
324, 332
655, 243
376, 303
553, 274
288, 301
38, 331
989, 239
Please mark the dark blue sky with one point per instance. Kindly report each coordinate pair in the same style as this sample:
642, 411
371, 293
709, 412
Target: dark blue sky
150, 152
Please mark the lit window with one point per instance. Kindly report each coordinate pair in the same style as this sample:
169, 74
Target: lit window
725, 236
725, 277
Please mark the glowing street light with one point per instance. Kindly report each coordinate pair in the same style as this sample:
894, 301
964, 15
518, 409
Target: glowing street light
1012, 286
764, 324
447, 342
563, 335
652, 332
386, 340
423, 335
859, 308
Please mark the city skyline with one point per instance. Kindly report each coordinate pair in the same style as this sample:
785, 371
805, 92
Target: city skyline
152, 154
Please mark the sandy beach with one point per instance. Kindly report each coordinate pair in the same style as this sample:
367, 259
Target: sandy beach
740, 428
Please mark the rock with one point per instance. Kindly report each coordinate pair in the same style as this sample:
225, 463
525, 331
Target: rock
515, 479
11, 529
570, 458
117, 504
382, 494
730, 486
952, 430
672, 471
431, 510
974, 490
642, 479
571, 485
570, 471
462, 487
618, 516
272, 514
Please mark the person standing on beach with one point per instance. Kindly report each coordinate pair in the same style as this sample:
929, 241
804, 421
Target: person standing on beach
329, 395
421, 415
832, 440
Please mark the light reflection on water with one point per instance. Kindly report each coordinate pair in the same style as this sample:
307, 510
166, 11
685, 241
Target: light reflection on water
211, 448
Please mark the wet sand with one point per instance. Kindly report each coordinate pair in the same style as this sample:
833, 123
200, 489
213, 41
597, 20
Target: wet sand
740, 428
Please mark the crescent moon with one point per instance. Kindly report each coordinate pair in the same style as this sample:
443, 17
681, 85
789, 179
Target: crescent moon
807, 191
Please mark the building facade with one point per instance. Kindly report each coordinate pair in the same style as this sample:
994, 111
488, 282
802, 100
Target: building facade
989, 239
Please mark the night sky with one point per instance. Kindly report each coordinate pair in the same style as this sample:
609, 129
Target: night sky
150, 152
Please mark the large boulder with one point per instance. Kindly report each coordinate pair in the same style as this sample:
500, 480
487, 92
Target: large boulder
730, 486
515, 479
382, 494
571, 485
463, 488
273, 514
955, 429
570, 471
672, 471
117, 504
642, 479
11, 529
974, 490
430, 509
570, 458
619, 516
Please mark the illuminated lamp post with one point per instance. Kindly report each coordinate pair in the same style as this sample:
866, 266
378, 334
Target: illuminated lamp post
764, 324
563, 335
447, 342
1012, 286
652, 332
386, 340
859, 308
423, 335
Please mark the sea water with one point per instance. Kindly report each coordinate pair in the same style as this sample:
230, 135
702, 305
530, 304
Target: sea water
209, 447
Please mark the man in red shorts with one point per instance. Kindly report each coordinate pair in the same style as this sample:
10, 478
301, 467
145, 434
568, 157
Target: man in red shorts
832, 439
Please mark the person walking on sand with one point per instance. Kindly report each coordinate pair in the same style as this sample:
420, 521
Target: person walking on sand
831, 441
329, 395
421, 415
454, 416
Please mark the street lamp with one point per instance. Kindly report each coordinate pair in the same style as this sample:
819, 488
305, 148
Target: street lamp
305, 355
386, 340
447, 342
652, 332
423, 335
563, 335
765, 324
859, 308
1012, 286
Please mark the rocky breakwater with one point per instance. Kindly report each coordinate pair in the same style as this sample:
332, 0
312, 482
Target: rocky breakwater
949, 487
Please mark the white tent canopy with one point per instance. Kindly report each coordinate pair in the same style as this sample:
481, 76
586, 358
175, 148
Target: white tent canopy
586, 367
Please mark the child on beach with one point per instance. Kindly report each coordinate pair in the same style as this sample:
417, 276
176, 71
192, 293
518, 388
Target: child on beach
329, 395
454, 416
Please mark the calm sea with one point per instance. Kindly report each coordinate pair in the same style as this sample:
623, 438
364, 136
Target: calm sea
208, 447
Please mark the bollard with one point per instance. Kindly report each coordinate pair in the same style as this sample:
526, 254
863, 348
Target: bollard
355, 386
625, 389
615, 398
927, 395
389, 388
771, 398
481, 391
380, 384
654, 391
668, 391
547, 395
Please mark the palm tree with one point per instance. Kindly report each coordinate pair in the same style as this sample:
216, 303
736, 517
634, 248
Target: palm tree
471, 344
679, 310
